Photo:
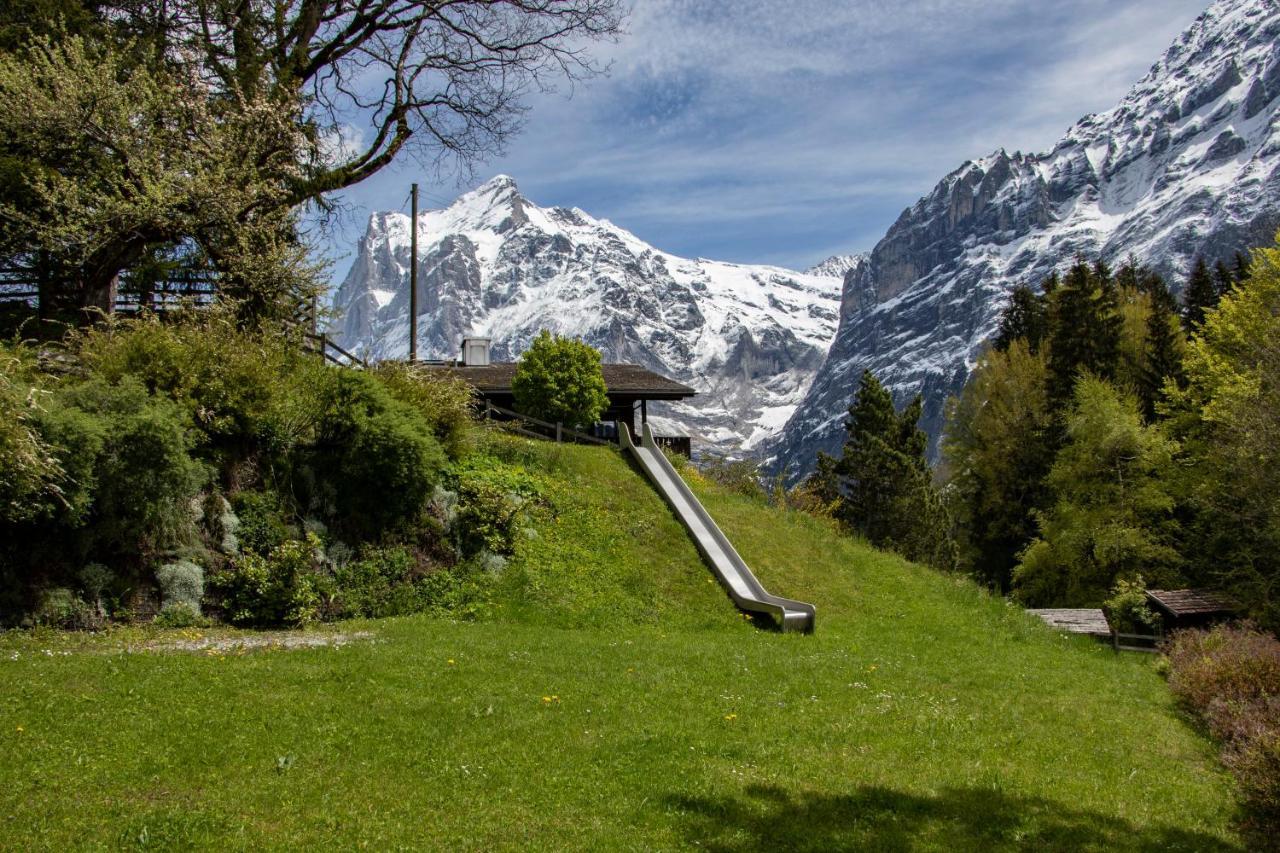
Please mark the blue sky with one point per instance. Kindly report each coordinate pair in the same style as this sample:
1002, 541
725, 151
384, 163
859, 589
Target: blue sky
766, 132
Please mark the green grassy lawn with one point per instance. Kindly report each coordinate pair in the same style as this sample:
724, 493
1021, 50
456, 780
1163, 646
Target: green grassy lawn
615, 700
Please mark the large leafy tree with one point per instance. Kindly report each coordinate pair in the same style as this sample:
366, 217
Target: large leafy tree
119, 158
248, 109
998, 448
427, 78
1233, 472
560, 380
1110, 514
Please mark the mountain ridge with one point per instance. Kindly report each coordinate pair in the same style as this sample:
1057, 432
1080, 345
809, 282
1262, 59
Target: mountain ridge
747, 337
1187, 163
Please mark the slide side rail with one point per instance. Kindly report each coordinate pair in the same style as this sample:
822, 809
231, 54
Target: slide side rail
724, 561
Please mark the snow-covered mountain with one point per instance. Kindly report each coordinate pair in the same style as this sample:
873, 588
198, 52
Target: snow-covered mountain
493, 264
837, 265
1187, 163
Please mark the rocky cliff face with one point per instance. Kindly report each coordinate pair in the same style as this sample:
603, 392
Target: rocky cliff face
493, 264
1187, 163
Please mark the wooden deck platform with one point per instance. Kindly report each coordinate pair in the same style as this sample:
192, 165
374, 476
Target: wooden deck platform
1088, 620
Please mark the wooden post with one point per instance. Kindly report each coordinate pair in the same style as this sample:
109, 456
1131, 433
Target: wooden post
413, 277
644, 411
558, 428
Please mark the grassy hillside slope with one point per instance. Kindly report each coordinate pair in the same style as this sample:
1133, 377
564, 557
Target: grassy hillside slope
614, 700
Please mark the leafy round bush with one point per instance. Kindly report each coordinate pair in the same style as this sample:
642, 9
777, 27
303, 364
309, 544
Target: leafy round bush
387, 472
145, 476
376, 459
560, 380
60, 607
444, 403
181, 585
491, 500
282, 588
261, 522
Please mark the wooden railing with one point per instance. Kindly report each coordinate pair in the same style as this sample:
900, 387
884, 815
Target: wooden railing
535, 428
332, 353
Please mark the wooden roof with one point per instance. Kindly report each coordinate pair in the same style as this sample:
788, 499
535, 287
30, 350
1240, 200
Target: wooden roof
1191, 602
621, 379
1090, 620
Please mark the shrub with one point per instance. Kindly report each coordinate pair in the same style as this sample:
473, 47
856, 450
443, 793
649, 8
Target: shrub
378, 584
1127, 609
376, 459
1230, 678
740, 476
491, 499
181, 585
29, 470
444, 403
59, 607
262, 525
145, 477
229, 379
388, 472
560, 380
282, 588
179, 615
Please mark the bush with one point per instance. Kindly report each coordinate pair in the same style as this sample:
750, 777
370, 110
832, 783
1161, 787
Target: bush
29, 470
59, 607
179, 615
283, 588
444, 403
491, 500
181, 585
1127, 609
262, 525
1230, 678
145, 477
740, 476
376, 459
378, 584
232, 382
560, 380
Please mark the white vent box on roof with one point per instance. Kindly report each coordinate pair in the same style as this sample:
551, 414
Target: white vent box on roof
475, 352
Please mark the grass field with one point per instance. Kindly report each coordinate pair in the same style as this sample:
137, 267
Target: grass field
615, 700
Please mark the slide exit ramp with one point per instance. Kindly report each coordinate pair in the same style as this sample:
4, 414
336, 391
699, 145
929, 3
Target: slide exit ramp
729, 568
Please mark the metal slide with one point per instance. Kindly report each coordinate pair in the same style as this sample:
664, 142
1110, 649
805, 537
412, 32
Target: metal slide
724, 561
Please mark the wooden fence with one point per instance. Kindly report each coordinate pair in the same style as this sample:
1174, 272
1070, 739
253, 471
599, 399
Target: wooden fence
535, 428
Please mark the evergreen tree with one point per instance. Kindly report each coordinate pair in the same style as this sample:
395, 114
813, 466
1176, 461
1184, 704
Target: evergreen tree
1084, 329
885, 487
1163, 355
1240, 272
1224, 281
1201, 295
1023, 318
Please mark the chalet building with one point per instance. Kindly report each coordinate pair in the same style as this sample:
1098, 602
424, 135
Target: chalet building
1191, 608
630, 388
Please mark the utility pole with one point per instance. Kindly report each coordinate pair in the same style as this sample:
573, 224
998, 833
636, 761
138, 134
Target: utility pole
413, 278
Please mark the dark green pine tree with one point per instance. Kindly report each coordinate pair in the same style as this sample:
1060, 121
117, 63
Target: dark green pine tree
1241, 269
1224, 281
1023, 318
1084, 329
1163, 355
1199, 297
885, 484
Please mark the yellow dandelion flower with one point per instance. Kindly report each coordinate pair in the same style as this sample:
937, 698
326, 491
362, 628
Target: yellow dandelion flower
731, 717
546, 698
450, 661
21, 729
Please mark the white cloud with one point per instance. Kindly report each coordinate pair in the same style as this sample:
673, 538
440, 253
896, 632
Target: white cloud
756, 130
